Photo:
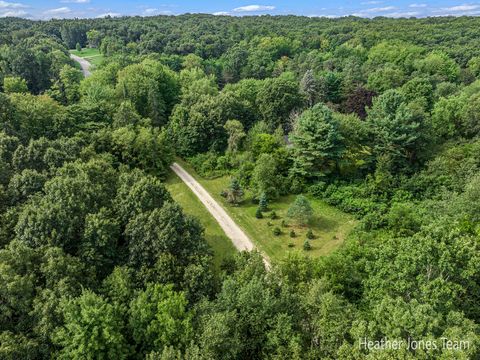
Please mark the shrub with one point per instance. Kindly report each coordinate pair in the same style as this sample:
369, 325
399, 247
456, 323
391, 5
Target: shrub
210, 165
263, 202
317, 190
291, 245
307, 246
284, 223
310, 234
234, 192
277, 231
258, 214
273, 215
301, 210
293, 234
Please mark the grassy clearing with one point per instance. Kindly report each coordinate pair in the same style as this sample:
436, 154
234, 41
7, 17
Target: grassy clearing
330, 225
86, 52
216, 238
92, 55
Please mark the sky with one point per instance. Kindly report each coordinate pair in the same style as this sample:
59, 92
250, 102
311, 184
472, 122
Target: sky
34, 9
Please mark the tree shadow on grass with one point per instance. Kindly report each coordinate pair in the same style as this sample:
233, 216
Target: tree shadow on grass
325, 224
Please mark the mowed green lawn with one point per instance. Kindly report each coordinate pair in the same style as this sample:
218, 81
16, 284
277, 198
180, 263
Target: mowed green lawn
330, 225
216, 238
92, 55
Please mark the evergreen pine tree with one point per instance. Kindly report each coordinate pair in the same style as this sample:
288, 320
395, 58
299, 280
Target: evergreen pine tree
263, 202
235, 192
309, 87
307, 246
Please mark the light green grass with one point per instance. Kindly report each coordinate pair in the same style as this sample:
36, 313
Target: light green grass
92, 55
86, 52
330, 225
221, 245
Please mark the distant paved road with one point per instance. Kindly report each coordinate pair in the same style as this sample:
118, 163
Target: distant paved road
84, 64
231, 229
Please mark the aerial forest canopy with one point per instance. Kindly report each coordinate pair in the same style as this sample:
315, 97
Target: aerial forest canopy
379, 118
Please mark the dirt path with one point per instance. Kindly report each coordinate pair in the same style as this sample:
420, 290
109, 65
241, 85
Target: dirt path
231, 229
83, 63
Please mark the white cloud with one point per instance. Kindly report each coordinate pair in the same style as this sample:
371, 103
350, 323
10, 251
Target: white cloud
464, 7
417, 5
75, 1
9, 5
111, 14
404, 14
254, 8
379, 9
329, 16
152, 12
58, 11
374, 11
218, 13
13, 13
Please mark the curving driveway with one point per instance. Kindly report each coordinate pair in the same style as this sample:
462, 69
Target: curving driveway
239, 239
85, 65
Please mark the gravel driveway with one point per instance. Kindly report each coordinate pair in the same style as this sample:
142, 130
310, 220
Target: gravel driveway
83, 63
239, 239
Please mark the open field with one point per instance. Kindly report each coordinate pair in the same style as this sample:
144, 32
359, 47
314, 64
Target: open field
91, 55
216, 238
330, 226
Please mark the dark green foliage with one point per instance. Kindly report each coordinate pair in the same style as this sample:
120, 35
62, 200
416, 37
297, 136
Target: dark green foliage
273, 215
397, 129
235, 193
358, 101
210, 164
307, 246
87, 312
73, 34
292, 233
151, 87
329, 87
37, 60
159, 318
277, 231
316, 141
267, 177
277, 98
164, 230
310, 234
259, 214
